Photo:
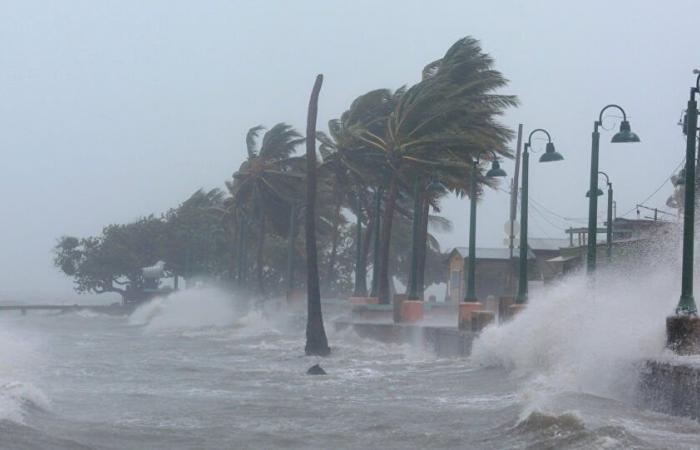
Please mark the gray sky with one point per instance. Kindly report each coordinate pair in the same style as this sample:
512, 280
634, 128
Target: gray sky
112, 110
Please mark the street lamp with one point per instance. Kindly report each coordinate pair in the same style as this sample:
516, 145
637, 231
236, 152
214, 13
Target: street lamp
494, 172
433, 187
683, 329
624, 135
609, 230
686, 305
550, 155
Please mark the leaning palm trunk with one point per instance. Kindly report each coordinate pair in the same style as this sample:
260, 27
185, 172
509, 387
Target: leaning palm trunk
384, 286
316, 340
422, 247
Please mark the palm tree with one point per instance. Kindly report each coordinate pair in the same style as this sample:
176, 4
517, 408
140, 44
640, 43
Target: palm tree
266, 184
316, 340
345, 168
436, 127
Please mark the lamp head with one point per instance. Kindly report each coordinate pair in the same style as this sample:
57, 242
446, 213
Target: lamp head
496, 170
550, 154
599, 192
625, 134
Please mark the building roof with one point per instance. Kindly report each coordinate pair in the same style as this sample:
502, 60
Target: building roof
490, 253
547, 243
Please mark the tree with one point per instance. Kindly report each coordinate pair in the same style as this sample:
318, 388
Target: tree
112, 262
346, 172
266, 184
316, 340
196, 244
437, 127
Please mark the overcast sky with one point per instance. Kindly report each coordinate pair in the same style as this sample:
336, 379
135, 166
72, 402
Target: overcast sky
112, 110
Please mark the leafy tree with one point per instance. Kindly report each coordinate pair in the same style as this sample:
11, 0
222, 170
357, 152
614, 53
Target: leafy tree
112, 262
196, 243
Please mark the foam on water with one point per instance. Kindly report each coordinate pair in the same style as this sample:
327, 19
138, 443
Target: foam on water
18, 358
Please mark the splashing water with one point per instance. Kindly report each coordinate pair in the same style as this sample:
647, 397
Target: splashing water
18, 357
579, 338
188, 309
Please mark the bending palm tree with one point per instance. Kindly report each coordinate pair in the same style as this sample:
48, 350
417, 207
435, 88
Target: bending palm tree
267, 183
436, 127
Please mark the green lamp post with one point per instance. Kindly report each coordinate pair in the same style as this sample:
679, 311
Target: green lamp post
360, 266
609, 228
550, 155
624, 135
686, 305
433, 187
494, 172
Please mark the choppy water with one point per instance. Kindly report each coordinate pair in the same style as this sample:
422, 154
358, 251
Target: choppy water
191, 373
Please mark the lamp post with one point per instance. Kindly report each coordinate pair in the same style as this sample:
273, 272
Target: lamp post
609, 229
624, 135
360, 266
433, 187
549, 155
683, 328
495, 171
686, 305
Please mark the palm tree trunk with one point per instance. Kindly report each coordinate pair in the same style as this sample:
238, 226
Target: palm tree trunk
259, 257
369, 235
330, 273
390, 203
422, 248
316, 340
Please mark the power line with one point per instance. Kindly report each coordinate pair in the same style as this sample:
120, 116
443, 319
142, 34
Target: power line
666, 180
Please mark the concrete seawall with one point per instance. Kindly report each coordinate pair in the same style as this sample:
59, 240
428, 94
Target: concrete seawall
671, 386
443, 341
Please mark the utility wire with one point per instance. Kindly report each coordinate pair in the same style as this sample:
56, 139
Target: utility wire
666, 180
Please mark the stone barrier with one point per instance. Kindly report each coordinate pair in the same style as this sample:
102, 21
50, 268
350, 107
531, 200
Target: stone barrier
671, 387
443, 341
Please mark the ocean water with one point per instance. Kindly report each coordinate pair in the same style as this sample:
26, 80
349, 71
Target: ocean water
194, 371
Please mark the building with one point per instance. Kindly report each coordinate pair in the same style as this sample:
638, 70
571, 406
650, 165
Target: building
496, 272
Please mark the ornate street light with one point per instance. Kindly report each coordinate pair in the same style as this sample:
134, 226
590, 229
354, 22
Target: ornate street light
624, 135
683, 328
494, 172
550, 155
686, 305
609, 230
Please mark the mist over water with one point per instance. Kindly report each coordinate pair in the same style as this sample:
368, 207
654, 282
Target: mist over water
204, 368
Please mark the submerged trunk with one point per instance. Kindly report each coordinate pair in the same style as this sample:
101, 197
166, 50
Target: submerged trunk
384, 289
422, 248
316, 340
